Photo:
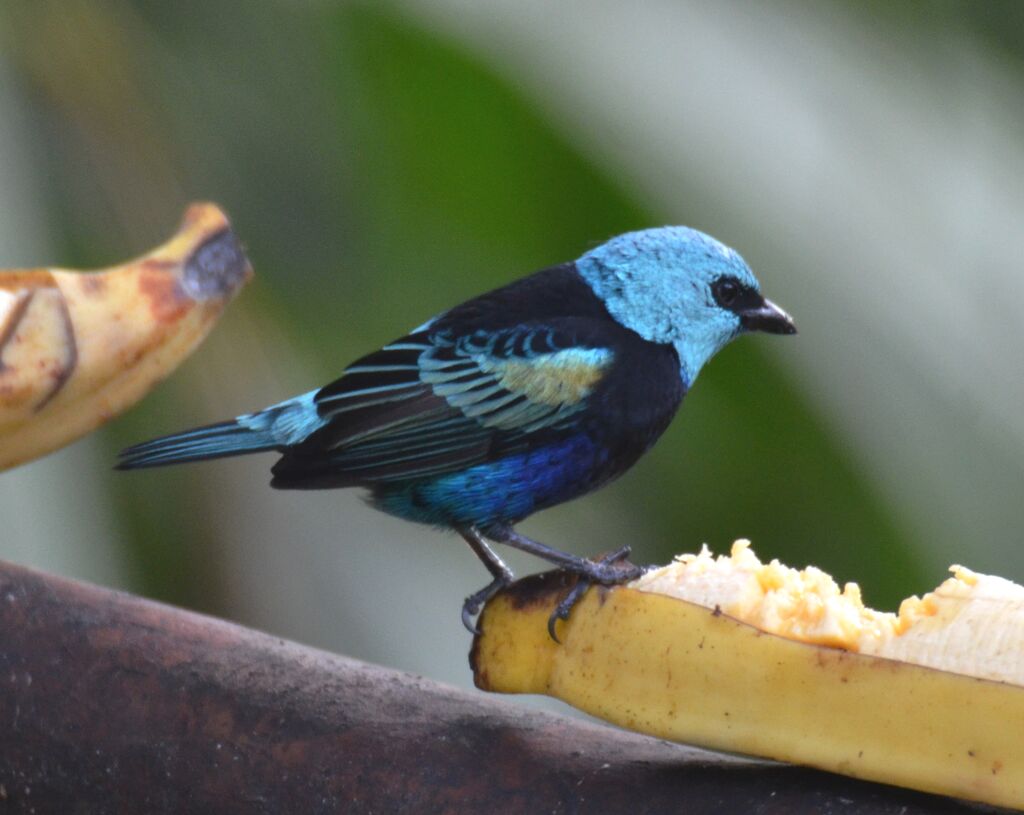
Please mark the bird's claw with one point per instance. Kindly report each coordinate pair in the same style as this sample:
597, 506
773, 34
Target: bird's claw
475, 602
607, 570
469, 612
562, 610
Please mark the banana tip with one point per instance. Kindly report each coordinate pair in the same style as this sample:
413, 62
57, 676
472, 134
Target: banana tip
216, 268
535, 592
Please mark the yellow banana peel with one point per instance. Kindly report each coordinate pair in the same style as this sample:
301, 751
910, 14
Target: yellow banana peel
78, 348
648, 661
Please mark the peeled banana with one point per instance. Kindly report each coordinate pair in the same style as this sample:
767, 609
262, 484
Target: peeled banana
78, 348
736, 655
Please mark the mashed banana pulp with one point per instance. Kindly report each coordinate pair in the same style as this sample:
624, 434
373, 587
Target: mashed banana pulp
971, 624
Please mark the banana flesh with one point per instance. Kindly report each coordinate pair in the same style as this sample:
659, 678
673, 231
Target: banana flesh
648, 661
76, 349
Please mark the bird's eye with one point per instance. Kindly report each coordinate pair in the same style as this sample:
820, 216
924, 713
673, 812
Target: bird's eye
726, 290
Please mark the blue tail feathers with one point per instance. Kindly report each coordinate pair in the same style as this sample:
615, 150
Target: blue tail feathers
213, 441
274, 428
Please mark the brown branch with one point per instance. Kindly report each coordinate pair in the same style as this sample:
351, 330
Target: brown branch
110, 703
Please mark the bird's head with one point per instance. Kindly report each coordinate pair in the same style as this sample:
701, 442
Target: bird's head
679, 286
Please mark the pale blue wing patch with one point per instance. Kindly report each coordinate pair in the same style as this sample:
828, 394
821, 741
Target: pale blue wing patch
516, 380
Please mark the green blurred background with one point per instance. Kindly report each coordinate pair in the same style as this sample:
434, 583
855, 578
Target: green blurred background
382, 161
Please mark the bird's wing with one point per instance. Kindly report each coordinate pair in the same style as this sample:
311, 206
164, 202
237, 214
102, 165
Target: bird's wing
435, 402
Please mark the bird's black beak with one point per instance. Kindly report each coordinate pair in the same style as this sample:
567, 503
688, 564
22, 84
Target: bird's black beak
767, 317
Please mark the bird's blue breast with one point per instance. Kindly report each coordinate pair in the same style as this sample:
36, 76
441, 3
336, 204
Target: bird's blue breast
501, 491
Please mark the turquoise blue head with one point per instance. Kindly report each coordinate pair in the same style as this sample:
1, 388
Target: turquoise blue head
678, 286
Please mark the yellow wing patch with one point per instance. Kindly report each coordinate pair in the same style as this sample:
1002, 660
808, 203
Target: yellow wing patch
561, 378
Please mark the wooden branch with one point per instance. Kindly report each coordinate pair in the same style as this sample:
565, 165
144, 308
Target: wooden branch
110, 703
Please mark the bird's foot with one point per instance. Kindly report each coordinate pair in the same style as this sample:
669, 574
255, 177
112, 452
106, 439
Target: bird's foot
608, 570
475, 602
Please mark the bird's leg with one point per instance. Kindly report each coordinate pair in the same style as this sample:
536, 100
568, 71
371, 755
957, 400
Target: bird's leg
609, 570
501, 573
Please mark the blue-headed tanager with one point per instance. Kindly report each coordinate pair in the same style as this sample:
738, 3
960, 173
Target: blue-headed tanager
524, 397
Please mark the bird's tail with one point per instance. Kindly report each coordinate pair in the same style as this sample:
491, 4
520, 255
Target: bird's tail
212, 441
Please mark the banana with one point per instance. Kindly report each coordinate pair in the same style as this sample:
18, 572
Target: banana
930, 717
78, 348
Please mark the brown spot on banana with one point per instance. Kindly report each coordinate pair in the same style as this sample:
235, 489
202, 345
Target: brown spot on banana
167, 302
16, 280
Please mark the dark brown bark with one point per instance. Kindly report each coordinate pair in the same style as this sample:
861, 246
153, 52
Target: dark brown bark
110, 703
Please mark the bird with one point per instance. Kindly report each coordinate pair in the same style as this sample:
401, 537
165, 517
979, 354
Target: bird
527, 396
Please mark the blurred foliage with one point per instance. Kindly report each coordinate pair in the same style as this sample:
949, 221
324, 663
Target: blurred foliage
378, 172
